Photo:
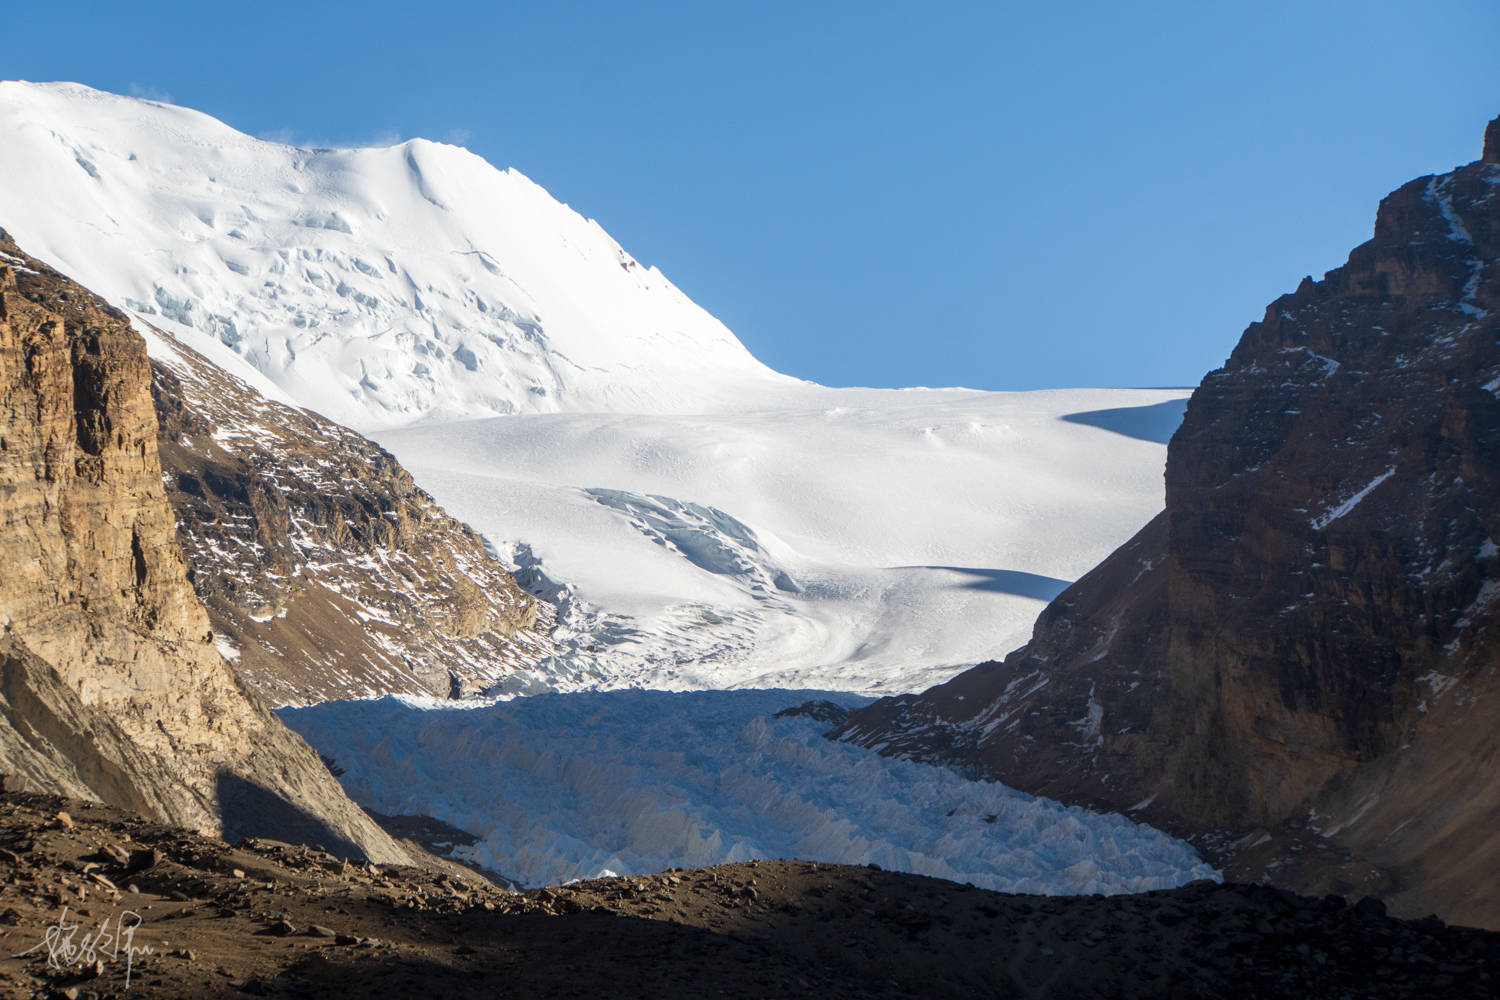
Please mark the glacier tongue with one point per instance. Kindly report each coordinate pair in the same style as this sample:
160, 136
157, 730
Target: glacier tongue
571, 786
377, 286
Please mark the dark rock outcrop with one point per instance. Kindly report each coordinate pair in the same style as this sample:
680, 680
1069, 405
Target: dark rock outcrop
110, 685
1296, 662
329, 572
820, 711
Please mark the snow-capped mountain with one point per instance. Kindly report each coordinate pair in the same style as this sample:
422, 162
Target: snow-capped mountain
701, 520
376, 286
698, 520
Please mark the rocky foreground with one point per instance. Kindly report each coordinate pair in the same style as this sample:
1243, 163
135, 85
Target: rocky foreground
160, 912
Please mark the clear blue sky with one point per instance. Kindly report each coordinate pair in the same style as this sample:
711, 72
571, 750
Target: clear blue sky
1000, 195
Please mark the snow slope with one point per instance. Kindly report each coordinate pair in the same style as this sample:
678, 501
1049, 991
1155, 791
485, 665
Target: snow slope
377, 286
701, 520
625, 782
865, 540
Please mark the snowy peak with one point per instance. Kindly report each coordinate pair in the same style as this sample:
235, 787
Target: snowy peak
380, 286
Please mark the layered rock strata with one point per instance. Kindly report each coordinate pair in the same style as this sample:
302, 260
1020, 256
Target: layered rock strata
326, 572
110, 683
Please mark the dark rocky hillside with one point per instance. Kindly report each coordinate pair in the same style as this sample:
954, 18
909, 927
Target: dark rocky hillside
329, 572
110, 685
261, 918
1296, 662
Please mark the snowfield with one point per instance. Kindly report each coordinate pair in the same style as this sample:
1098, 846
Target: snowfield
846, 539
702, 521
570, 786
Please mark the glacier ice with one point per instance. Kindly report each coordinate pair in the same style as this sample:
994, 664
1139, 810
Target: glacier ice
563, 786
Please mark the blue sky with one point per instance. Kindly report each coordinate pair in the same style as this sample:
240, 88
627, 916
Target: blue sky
998, 195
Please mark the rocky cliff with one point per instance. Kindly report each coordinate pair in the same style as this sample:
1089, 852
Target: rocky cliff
110, 684
1296, 662
326, 572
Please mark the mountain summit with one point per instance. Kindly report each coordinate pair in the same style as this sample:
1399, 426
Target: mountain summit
377, 286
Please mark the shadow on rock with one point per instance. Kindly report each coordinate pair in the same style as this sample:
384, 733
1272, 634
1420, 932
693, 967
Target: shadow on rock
252, 810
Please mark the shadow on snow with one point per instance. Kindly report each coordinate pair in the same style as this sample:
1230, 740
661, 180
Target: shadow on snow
1005, 581
1155, 422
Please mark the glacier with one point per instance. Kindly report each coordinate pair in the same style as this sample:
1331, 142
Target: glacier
710, 531
523, 365
910, 530
583, 785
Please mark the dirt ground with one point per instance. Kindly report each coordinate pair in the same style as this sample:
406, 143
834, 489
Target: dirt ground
185, 916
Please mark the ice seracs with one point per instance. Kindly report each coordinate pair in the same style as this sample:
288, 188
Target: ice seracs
559, 787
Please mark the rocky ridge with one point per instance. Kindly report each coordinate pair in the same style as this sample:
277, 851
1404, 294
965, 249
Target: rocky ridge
261, 918
1298, 662
326, 572
110, 685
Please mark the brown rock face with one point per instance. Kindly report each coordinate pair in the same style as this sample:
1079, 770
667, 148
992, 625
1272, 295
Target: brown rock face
110, 686
331, 574
1305, 643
